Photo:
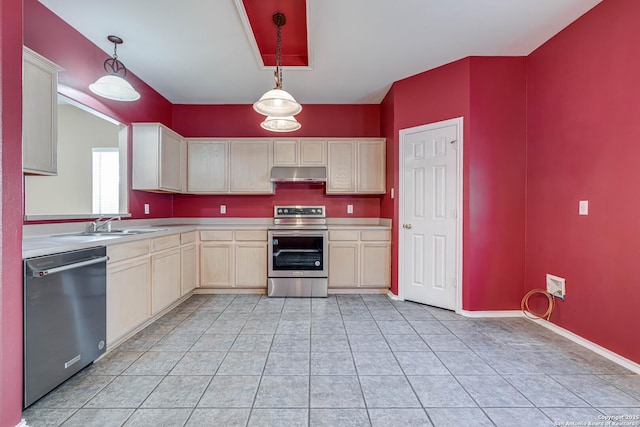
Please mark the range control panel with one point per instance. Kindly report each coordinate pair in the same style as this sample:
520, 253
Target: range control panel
299, 211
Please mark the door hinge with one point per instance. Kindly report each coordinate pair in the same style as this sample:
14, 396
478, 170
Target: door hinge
454, 214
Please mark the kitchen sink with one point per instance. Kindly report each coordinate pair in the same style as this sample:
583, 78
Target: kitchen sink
115, 233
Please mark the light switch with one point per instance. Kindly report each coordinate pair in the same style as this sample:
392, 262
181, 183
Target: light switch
223, 209
146, 208
349, 209
583, 207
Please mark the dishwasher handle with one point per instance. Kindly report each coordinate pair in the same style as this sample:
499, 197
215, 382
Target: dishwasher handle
42, 273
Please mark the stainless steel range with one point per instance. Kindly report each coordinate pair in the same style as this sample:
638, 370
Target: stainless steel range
298, 252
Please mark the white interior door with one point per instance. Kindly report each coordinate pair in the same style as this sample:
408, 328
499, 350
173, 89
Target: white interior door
429, 213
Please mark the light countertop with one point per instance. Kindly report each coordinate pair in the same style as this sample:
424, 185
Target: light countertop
46, 239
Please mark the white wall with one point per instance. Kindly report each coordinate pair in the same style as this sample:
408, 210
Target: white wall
70, 191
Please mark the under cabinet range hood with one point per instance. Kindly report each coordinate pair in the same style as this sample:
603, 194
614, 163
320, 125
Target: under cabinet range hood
298, 174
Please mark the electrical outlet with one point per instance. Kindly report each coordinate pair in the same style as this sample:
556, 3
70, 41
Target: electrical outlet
583, 207
556, 286
223, 209
146, 208
349, 209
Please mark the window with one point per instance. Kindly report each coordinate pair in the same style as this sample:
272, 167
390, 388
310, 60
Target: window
106, 180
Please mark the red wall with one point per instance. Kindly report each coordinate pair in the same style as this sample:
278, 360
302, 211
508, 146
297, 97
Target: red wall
583, 144
318, 120
496, 152
11, 212
432, 96
82, 61
242, 121
489, 93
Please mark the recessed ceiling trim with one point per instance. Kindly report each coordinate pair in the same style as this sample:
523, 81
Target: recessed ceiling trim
251, 37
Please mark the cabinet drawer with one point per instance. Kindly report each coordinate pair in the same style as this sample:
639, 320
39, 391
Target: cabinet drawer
383, 235
128, 250
216, 235
344, 235
162, 243
188, 237
253, 235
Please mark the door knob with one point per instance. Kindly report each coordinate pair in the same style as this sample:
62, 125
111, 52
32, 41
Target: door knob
407, 226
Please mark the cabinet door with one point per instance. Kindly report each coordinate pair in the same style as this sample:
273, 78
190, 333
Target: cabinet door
189, 269
207, 166
216, 265
341, 167
285, 152
371, 166
343, 265
251, 265
128, 287
165, 279
313, 153
250, 166
39, 115
375, 263
170, 173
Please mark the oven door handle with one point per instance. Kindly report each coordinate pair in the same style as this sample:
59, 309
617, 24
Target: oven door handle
287, 233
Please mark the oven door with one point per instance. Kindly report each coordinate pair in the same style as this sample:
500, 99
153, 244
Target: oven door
298, 253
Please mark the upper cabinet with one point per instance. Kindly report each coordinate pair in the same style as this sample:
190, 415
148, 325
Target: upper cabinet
164, 161
356, 166
250, 163
159, 158
222, 166
208, 166
304, 152
39, 114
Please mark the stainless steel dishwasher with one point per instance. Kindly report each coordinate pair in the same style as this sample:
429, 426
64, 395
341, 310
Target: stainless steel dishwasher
64, 317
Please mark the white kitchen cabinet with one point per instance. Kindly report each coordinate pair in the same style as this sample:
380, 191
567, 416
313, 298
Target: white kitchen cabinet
188, 262
128, 288
165, 272
39, 114
159, 160
233, 259
250, 163
304, 152
371, 169
343, 265
208, 166
251, 259
341, 166
359, 258
356, 166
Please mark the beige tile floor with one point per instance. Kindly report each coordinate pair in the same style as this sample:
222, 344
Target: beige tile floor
349, 360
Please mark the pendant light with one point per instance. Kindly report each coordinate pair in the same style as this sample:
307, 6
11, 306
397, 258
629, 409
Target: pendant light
280, 124
277, 104
113, 85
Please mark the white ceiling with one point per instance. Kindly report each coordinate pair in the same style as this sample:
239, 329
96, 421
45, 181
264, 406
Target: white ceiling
198, 52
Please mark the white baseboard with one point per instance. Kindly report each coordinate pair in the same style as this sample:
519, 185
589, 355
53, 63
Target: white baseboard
23, 423
606, 353
496, 313
393, 296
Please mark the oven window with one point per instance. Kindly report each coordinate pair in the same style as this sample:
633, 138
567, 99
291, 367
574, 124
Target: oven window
297, 253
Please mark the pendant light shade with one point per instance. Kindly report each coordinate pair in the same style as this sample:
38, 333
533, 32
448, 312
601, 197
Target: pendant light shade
280, 124
277, 104
113, 85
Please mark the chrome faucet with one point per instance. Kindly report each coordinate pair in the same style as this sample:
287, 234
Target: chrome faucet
100, 224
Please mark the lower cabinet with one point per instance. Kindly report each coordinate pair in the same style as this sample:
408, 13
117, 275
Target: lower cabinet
145, 277
128, 289
359, 259
189, 268
233, 259
165, 273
